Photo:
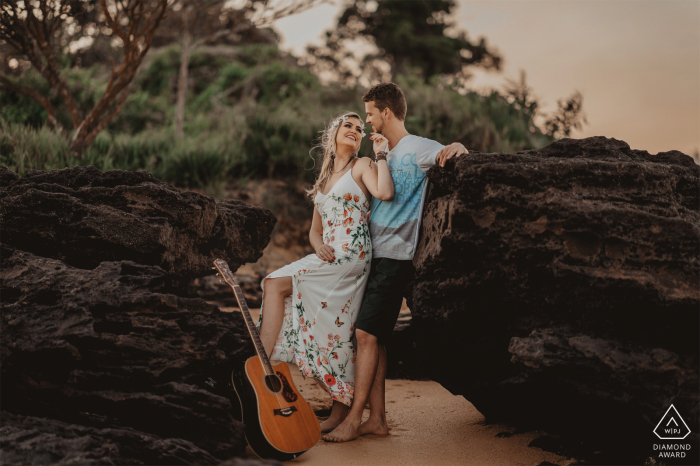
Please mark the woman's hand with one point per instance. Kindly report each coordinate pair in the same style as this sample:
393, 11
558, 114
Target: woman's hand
326, 252
380, 143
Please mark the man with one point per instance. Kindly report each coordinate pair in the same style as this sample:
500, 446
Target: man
394, 227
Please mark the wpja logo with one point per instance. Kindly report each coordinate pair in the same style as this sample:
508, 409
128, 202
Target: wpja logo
672, 427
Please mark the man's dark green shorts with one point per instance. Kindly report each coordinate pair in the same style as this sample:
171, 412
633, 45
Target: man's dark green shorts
381, 305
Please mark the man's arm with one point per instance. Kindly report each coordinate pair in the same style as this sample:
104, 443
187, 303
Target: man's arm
447, 152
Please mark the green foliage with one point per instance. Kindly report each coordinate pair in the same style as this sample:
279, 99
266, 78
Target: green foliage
278, 142
252, 112
19, 108
409, 37
156, 77
569, 116
484, 123
23, 148
257, 54
278, 82
232, 74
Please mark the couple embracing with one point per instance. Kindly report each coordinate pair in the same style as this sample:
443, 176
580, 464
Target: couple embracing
330, 313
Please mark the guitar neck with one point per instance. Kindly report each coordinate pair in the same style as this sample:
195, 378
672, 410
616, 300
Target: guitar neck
254, 335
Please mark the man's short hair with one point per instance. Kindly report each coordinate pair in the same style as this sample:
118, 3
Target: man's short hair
387, 95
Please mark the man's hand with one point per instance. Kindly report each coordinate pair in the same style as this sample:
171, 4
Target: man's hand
326, 253
447, 152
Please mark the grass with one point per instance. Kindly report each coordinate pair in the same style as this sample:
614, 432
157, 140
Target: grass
254, 114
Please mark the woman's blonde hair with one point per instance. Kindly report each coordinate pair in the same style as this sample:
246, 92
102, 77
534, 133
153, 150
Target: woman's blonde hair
327, 144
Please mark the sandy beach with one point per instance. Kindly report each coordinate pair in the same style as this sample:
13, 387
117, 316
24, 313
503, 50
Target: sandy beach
428, 425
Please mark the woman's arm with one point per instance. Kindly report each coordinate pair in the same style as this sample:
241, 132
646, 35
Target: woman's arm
376, 176
323, 251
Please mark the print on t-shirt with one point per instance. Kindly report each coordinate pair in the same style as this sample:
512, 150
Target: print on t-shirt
394, 224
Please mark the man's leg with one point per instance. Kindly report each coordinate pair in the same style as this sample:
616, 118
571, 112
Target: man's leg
365, 374
376, 424
400, 273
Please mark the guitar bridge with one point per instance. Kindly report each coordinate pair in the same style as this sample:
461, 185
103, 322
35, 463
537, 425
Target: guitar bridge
286, 412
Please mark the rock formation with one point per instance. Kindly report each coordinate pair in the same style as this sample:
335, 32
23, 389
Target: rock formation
559, 288
83, 217
213, 290
95, 338
32, 440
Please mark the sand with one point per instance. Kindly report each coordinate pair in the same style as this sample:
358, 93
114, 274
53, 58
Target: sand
428, 425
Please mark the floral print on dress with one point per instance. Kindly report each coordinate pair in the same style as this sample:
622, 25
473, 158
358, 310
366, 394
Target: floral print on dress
320, 315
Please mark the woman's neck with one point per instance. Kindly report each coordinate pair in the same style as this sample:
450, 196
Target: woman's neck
342, 157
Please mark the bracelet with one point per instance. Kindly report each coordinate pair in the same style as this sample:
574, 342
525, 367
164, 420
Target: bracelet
381, 155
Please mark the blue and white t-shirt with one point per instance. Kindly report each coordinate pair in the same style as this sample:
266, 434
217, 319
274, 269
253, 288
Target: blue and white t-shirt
394, 225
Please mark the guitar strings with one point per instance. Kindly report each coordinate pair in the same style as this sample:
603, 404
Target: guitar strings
255, 336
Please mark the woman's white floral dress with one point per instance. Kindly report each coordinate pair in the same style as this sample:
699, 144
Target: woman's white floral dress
319, 317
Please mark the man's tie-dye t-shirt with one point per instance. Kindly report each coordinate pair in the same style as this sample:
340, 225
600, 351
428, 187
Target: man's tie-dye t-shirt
394, 225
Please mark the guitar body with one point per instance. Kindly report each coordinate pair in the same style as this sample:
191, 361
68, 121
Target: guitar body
278, 424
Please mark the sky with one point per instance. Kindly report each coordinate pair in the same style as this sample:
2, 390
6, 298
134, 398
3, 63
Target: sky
636, 62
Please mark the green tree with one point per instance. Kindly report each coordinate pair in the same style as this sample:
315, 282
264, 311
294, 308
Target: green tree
198, 19
38, 32
558, 124
569, 115
410, 37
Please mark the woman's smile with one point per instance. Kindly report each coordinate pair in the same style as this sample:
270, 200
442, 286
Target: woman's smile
350, 129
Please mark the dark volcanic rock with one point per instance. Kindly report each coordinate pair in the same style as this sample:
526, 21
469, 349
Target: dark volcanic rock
7, 177
214, 290
93, 338
83, 217
104, 348
31, 440
559, 288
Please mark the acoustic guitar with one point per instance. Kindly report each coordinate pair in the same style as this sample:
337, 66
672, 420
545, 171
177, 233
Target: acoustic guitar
279, 423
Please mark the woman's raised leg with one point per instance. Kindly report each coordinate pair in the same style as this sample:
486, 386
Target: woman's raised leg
276, 289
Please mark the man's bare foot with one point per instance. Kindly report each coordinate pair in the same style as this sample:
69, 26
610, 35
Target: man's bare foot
373, 426
345, 432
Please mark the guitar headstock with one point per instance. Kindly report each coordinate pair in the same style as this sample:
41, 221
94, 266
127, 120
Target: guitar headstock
224, 272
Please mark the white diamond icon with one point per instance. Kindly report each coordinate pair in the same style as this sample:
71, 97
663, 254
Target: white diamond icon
672, 426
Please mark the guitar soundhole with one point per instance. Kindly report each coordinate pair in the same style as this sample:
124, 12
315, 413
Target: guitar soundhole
273, 383
287, 391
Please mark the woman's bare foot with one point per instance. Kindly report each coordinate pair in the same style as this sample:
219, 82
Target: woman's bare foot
338, 414
373, 426
345, 432
330, 424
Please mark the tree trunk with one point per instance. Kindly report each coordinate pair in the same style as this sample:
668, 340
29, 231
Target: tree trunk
182, 79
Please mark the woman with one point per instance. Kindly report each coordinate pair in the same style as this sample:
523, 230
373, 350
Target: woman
311, 305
